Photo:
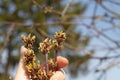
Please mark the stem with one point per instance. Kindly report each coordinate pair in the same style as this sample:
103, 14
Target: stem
55, 58
56, 54
47, 66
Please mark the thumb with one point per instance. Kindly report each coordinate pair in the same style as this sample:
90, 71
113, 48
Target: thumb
22, 51
20, 74
59, 75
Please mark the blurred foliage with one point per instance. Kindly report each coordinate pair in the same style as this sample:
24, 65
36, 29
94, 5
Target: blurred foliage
25, 16
78, 62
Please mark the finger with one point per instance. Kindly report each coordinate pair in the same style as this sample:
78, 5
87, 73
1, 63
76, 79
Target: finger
59, 75
61, 62
20, 75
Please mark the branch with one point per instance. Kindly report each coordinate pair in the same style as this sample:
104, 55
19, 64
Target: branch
40, 24
66, 8
94, 13
34, 2
71, 47
109, 66
46, 9
101, 33
7, 37
104, 58
117, 3
109, 10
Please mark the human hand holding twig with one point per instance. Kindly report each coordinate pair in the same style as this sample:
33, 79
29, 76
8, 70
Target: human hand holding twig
59, 75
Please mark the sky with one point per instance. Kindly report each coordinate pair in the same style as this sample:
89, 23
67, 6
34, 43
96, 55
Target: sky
113, 72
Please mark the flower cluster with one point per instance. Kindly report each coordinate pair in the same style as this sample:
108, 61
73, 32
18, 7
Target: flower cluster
28, 41
45, 46
60, 36
59, 39
33, 68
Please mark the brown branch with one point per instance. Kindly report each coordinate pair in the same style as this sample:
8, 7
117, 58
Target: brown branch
34, 2
110, 65
71, 47
47, 9
97, 17
66, 8
97, 47
104, 58
101, 33
18, 24
109, 10
84, 16
94, 13
7, 38
111, 1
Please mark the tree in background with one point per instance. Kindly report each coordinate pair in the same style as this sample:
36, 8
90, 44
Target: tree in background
85, 26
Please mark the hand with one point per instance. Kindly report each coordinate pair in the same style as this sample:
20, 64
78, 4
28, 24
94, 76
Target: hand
59, 75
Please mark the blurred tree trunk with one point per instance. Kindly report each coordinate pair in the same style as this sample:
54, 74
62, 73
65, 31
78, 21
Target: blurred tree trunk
9, 58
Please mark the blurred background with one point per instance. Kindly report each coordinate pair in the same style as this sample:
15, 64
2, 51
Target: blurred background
92, 28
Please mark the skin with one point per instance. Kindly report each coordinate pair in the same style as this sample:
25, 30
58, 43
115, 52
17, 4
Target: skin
59, 75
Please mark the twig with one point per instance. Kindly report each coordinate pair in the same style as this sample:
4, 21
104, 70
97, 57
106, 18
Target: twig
47, 67
66, 8
104, 35
18, 24
109, 66
46, 9
109, 10
37, 4
94, 13
7, 37
117, 3
104, 58
55, 58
